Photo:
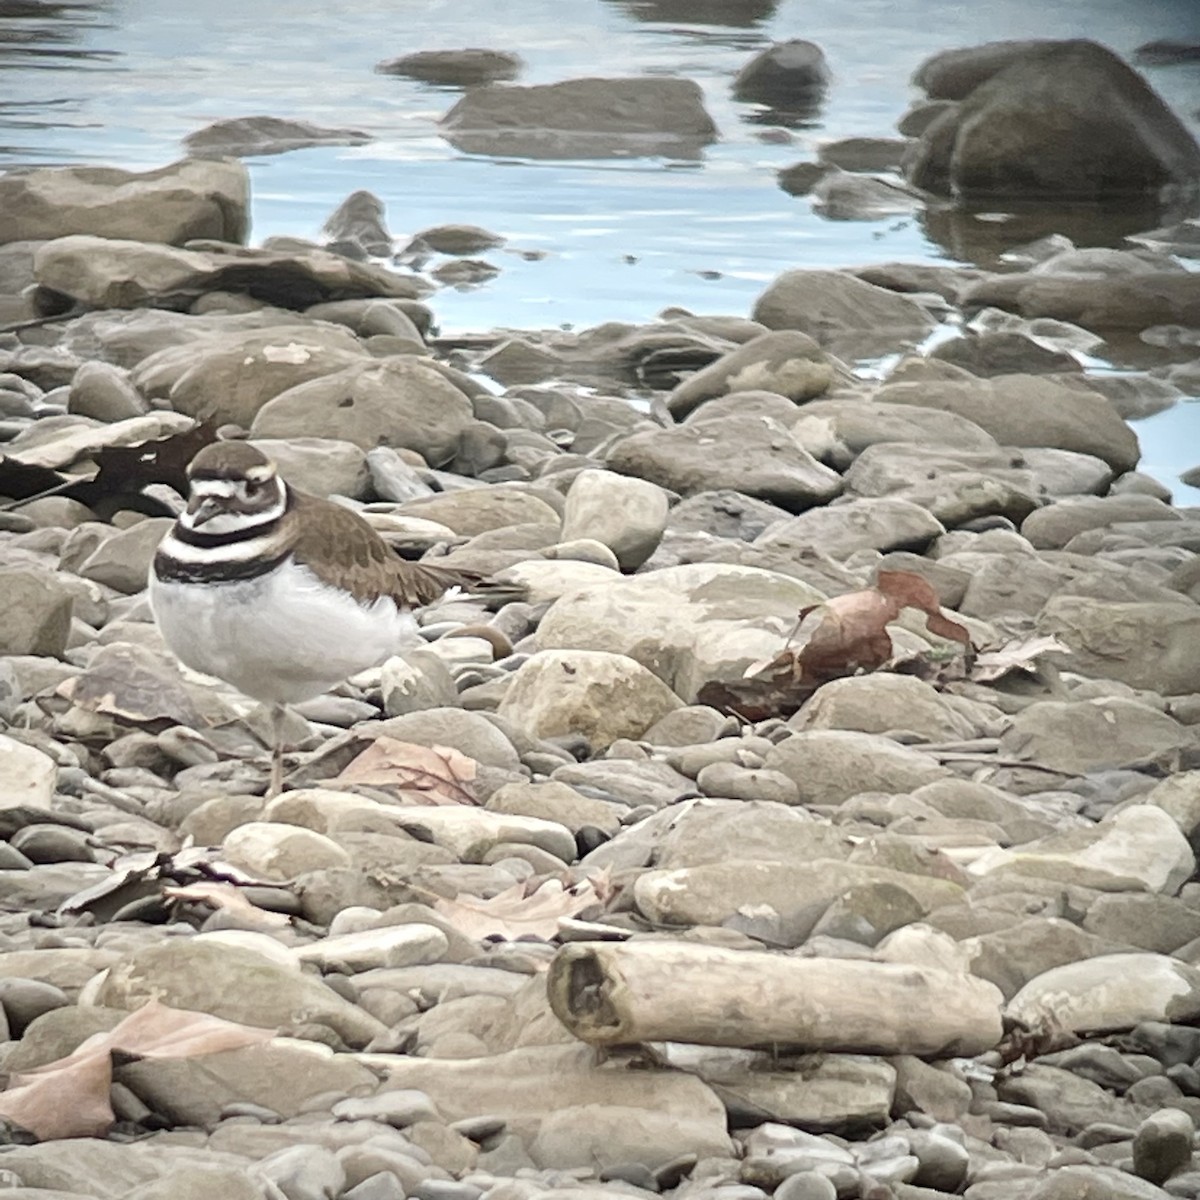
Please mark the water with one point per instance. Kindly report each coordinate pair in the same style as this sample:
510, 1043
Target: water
123, 81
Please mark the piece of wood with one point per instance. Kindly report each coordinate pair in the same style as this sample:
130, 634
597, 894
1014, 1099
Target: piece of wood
666, 991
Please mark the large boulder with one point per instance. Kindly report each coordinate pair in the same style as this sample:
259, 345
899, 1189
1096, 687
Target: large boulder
1057, 120
790, 77
102, 272
173, 204
842, 530
1027, 410
756, 456
583, 118
399, 402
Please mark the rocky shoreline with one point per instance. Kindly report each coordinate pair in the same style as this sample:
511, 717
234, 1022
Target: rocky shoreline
821, 823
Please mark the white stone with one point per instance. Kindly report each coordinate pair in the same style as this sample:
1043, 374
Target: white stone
471, 832
389, 946
27, 776
280, 852
628, 515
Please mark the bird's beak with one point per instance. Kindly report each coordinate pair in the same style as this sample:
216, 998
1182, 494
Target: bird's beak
202, 509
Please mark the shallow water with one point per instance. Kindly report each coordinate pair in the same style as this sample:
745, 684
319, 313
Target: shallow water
123, 81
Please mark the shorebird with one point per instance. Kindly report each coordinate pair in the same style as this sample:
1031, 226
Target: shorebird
280, 593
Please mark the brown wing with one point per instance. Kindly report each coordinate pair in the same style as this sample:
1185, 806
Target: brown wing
343, 550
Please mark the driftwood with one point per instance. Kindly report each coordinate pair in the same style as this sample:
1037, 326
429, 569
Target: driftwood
664, 991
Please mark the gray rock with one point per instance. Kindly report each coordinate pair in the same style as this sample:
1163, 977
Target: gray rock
122, 562
842, 530
1026, 410
1052, 527
35, 611
415, 681
842, 312
880, 702
755, 456
843, 196
27, 776
1162, 1145
399, 402
304, 1172
1136, 848
457, 239
600, 695
785, 362
858, 424
358, 223
104, 392
724, 513
113, 273
1115, 991
234, 983
806, 1185
321, 466
627, 515
173, 204
863, 153
251, 137
455, 68
1004, 352
747, 783
1146, 645
687, 624
583, 118
791, 76
470, 733
471, 511
1048, 91
1078, 738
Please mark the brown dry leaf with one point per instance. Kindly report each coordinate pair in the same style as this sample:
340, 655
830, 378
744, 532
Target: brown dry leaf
69, 1097
1019, 655
850, 637
512, 914
229, 898
424, 774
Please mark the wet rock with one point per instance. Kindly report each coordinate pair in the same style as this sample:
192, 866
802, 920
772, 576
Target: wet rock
836, 308
627, 515
687, 624
1060, 97
251, 137
400, 402
1025, 410
173, 204
603, 696
35, 611
358, 222
842, 530
800, 178
457, 239
844, 196
27, 776
756, 456
790, 77
583, 118
1003, 352
234, 983
1147, 645
113, 273
455, 68
1138, 848
785, 362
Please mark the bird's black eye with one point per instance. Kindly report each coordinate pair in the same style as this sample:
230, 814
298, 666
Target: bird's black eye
253, 487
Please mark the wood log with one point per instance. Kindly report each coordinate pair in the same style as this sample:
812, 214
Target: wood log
658, 990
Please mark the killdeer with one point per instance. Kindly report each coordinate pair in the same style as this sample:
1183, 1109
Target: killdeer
279, 593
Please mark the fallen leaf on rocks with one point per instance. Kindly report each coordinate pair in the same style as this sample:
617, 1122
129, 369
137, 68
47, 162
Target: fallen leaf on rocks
850, 637
110, 476
512, 913
69, 1097
425, 774
229, 898
1019, 655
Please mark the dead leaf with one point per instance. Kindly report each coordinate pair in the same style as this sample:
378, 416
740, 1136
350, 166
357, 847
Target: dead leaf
422, 774
231, 899
69, 1097
1019, 655
512, 914
850, 636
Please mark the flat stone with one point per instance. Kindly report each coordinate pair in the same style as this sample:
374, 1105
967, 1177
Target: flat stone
35, 612
27, 776
388, 946
281, 852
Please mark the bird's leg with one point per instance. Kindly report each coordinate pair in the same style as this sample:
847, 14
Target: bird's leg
278, 716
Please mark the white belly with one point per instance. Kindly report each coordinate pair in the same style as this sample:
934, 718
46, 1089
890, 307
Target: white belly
283, 637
